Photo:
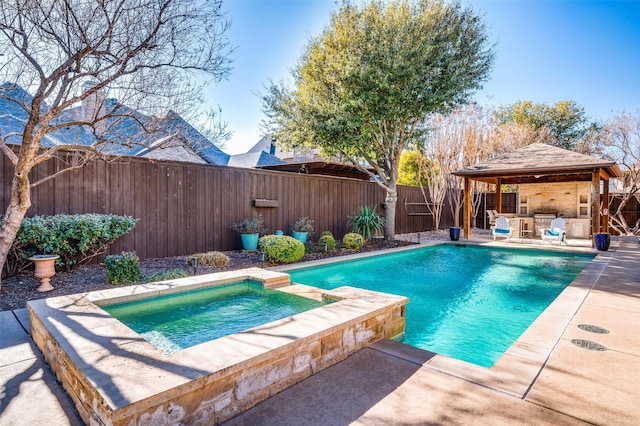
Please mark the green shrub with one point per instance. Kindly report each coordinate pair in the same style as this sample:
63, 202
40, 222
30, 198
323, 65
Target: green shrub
75, 238
166, 274
329, 233
353, 241
210, 258
367, 222
123, 268
327, 240
281, 249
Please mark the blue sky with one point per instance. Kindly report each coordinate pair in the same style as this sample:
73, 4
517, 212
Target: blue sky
547, 51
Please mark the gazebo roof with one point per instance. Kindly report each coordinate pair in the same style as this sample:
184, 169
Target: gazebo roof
539, 163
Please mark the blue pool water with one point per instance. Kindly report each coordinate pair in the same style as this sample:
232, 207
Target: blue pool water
467, 302
178, 321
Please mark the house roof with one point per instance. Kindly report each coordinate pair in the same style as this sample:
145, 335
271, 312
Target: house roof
172, 123
254, 159
126, 134
539, 163
267, 145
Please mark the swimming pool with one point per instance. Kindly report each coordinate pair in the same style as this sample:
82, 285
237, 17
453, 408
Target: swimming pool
467, 302
179, 321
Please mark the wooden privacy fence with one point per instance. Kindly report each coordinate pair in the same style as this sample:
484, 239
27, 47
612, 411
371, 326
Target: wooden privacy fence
186, 208
631, 210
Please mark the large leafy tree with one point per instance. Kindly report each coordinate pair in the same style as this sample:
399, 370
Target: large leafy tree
149, 54
564, 124
363, 86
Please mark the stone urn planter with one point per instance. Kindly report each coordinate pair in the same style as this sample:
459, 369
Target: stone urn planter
45, 269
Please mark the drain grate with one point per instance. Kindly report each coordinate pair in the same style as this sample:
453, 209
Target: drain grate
589, 345
593, 328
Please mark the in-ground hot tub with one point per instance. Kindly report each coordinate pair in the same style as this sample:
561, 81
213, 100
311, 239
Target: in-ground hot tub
115, 376
181, 320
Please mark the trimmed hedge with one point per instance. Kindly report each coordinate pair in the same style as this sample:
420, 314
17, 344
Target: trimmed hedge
210, 258
329, 233
353, 241
327, 240
75, 238
123, 268
281, 249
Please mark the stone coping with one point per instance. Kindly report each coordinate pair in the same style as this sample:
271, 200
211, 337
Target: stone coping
516, 370
125, 370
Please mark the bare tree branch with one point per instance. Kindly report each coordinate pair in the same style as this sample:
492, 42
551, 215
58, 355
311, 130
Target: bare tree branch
65, 62
621, 136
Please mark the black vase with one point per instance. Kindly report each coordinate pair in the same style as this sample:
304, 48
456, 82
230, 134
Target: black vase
602, 241
454, 233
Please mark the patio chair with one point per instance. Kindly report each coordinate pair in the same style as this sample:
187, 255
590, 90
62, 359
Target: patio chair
492, 215
502, 229
556, 232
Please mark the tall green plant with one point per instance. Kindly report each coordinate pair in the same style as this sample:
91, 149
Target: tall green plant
367, 222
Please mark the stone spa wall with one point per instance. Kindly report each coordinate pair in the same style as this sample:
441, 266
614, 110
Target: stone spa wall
115, 377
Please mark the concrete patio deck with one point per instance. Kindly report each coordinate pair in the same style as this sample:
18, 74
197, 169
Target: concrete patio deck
390, 383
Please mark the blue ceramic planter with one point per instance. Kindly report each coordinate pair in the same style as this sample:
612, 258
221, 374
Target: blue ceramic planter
249, 241
602, 241
301, 236
454, 233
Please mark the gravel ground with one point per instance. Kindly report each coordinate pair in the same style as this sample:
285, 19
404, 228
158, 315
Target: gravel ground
18, 290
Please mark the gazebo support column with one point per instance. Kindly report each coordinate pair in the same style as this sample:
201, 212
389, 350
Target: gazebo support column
499, 195
595, 205
467, 208
605, 204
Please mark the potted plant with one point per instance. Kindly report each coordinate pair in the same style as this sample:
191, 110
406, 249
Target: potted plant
302, 228
250, 230
367, 222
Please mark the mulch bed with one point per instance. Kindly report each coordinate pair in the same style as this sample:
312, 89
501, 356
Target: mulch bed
18, 290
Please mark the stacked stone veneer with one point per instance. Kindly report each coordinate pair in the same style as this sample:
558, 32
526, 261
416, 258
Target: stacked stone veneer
563, 197
116, 378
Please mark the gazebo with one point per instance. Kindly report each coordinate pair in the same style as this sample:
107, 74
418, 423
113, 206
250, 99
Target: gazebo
548, 167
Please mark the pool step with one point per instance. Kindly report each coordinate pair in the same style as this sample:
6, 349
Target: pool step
268, 278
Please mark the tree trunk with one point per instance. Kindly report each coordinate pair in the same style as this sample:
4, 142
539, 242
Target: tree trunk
19, 204
390, 212
456, 215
